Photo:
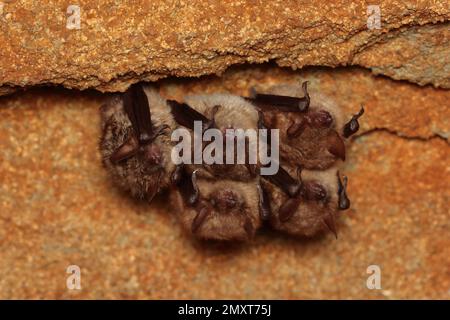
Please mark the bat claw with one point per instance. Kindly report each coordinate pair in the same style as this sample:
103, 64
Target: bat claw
128, 149
177, 174
264, 206
344, 201
330, 223
287, 210
248, 227
199, 219
151, 193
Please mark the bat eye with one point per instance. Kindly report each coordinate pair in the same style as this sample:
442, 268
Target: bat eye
321, 118
225, 200
315, 191
352, 126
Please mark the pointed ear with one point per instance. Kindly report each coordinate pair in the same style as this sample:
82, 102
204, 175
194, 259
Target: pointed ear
352, 126
128, 149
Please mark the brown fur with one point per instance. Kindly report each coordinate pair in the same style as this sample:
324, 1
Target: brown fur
133, 174
227, 206
233, 112
221, 223
308, 219
310, 148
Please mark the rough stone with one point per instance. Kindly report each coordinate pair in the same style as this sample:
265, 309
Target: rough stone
119, 43
59, 208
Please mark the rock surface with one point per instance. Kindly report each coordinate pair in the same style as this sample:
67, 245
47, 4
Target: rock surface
58, 207
119, 43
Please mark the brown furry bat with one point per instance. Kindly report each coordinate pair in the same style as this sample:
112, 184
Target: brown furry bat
312, 207
221, 112
218, 209
312, 135
311, 128
231, 201
135, 143
219, 201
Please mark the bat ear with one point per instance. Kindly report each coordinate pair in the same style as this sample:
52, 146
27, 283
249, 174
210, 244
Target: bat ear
352, 126
177, 175
128, 149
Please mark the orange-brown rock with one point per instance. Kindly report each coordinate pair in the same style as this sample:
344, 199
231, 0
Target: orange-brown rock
119, 43
59, 208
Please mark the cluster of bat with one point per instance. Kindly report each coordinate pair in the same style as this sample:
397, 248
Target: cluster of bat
231, 201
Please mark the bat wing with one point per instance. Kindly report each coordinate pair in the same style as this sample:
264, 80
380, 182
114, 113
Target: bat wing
138, 110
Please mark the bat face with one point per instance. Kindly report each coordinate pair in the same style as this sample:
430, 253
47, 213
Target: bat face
311, 134
225, 111
217, 209
135, 143
312, 210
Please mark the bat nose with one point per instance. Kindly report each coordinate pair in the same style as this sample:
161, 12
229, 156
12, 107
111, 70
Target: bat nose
153, 154
226, 200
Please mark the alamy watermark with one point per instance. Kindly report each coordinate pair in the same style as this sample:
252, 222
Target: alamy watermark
373, 17
233, 146
73, 281
374, 280
74, 18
